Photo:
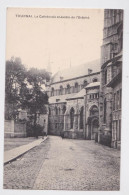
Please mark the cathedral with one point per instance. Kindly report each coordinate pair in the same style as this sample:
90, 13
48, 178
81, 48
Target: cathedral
73, 101
85, 100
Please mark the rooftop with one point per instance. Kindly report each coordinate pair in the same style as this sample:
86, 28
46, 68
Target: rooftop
60, 98
77, 71
78, 95
94, 84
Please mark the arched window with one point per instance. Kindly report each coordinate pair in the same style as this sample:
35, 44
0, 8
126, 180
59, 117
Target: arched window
59, 111
71, 118
105, 77
85, 83
105, 110
94, 111
64, 109
76, 87
52, 92
56, 111
49, 111
81, 118
68, 89
95, 80
61, 90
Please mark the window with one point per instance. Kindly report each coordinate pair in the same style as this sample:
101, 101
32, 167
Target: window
105, 110
105, 77
59, 111
114, 103
120, 98
52, 92
85, 83
68, 89
61, 90
64, 109
76, 87
94, 80
71, 118
56, 111
81, 118
119, 138
49, 111
94, 111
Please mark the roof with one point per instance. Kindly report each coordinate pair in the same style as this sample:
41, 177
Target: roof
64, 98
94, 84
59, 98
78, 95
77, 71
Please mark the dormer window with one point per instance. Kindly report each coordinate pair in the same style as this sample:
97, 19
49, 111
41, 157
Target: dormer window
95, 80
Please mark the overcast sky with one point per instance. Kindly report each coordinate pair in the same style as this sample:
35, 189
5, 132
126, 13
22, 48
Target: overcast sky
58, 42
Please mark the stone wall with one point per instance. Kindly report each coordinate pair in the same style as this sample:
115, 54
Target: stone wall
9, 128
56, 118
14, 129
43, 121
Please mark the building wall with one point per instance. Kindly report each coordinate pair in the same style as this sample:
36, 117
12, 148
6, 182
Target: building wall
76, 105
116, 116
14, 129
56, 118
82, 81
112, 45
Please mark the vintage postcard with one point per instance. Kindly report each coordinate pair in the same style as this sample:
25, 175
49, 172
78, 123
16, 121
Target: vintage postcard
63, 99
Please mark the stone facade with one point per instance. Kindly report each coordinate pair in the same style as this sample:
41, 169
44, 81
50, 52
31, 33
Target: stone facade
85, 102
92, 111
111, 68
67, 100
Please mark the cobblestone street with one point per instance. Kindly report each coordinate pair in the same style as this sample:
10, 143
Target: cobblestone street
65, 164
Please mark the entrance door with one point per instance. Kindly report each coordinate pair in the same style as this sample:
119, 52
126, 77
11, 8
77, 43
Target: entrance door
95, 126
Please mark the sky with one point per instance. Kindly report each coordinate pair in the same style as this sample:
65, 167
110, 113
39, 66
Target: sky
52, 38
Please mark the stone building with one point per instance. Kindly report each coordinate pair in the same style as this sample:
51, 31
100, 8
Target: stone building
92, 110
67, 99
111, 79
85, 101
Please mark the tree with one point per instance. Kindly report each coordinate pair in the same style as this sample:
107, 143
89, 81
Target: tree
33, 95
25, 89
15, 75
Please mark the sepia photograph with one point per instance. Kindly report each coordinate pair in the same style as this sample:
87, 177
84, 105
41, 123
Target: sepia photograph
63, 99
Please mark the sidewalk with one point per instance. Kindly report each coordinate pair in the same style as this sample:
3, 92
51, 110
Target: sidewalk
11, 155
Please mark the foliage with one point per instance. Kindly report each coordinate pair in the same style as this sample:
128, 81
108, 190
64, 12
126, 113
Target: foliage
25, 89
15, 75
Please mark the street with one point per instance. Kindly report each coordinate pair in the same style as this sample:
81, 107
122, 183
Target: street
65, 164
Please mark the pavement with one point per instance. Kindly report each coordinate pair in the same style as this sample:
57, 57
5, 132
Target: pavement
65, 164
16, 152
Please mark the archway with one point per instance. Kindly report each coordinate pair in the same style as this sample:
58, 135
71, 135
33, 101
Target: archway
71, 118
94, 127
93, 122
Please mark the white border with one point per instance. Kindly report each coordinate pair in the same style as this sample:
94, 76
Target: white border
121, 4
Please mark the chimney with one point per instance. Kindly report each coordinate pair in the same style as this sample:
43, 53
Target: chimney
89, 71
